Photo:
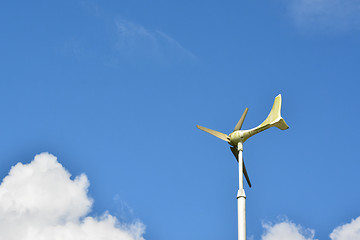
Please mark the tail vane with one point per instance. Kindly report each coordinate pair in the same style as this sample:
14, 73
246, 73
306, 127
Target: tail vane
274, 119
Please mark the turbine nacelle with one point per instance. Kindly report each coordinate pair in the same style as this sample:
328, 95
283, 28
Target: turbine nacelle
239, 136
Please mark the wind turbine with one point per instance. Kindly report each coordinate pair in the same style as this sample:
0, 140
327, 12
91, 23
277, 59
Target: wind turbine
236, 139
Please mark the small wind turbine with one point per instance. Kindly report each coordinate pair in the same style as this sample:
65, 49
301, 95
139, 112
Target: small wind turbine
236, 140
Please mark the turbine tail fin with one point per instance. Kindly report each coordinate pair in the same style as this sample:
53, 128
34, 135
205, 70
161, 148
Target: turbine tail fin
274, 118
281, 124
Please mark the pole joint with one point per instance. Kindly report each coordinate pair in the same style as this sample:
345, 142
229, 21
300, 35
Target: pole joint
241, 193
240, 146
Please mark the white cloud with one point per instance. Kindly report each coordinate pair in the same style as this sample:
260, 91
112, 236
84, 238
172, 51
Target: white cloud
39, 201
136, 42
286, 230
349, 231
333, 15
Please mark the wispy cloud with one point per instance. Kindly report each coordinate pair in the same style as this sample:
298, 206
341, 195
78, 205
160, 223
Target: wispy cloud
285, 230
130, 42
39, 200
330, 15
175, 44
135, 42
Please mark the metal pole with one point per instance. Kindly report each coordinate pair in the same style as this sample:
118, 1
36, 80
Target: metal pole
241, 199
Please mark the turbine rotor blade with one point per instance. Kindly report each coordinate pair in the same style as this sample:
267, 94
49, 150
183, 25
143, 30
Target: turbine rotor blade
217, 134
236, 154
246, 174
240, 122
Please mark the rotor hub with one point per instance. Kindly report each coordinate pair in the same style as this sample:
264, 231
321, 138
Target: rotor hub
239, 136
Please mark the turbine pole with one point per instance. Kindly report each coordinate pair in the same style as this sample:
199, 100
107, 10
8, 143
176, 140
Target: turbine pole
236, 140
241, 197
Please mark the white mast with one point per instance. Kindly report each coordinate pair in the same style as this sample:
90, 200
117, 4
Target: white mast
241, 197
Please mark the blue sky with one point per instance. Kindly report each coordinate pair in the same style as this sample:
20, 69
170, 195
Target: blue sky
114, 90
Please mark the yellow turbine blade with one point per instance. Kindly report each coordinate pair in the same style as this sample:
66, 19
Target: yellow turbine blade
240, 123
236, 155
220, 135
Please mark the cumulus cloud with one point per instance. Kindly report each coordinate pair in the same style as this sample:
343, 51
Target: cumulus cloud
332, 15
40, 201
286, 230
349, 231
